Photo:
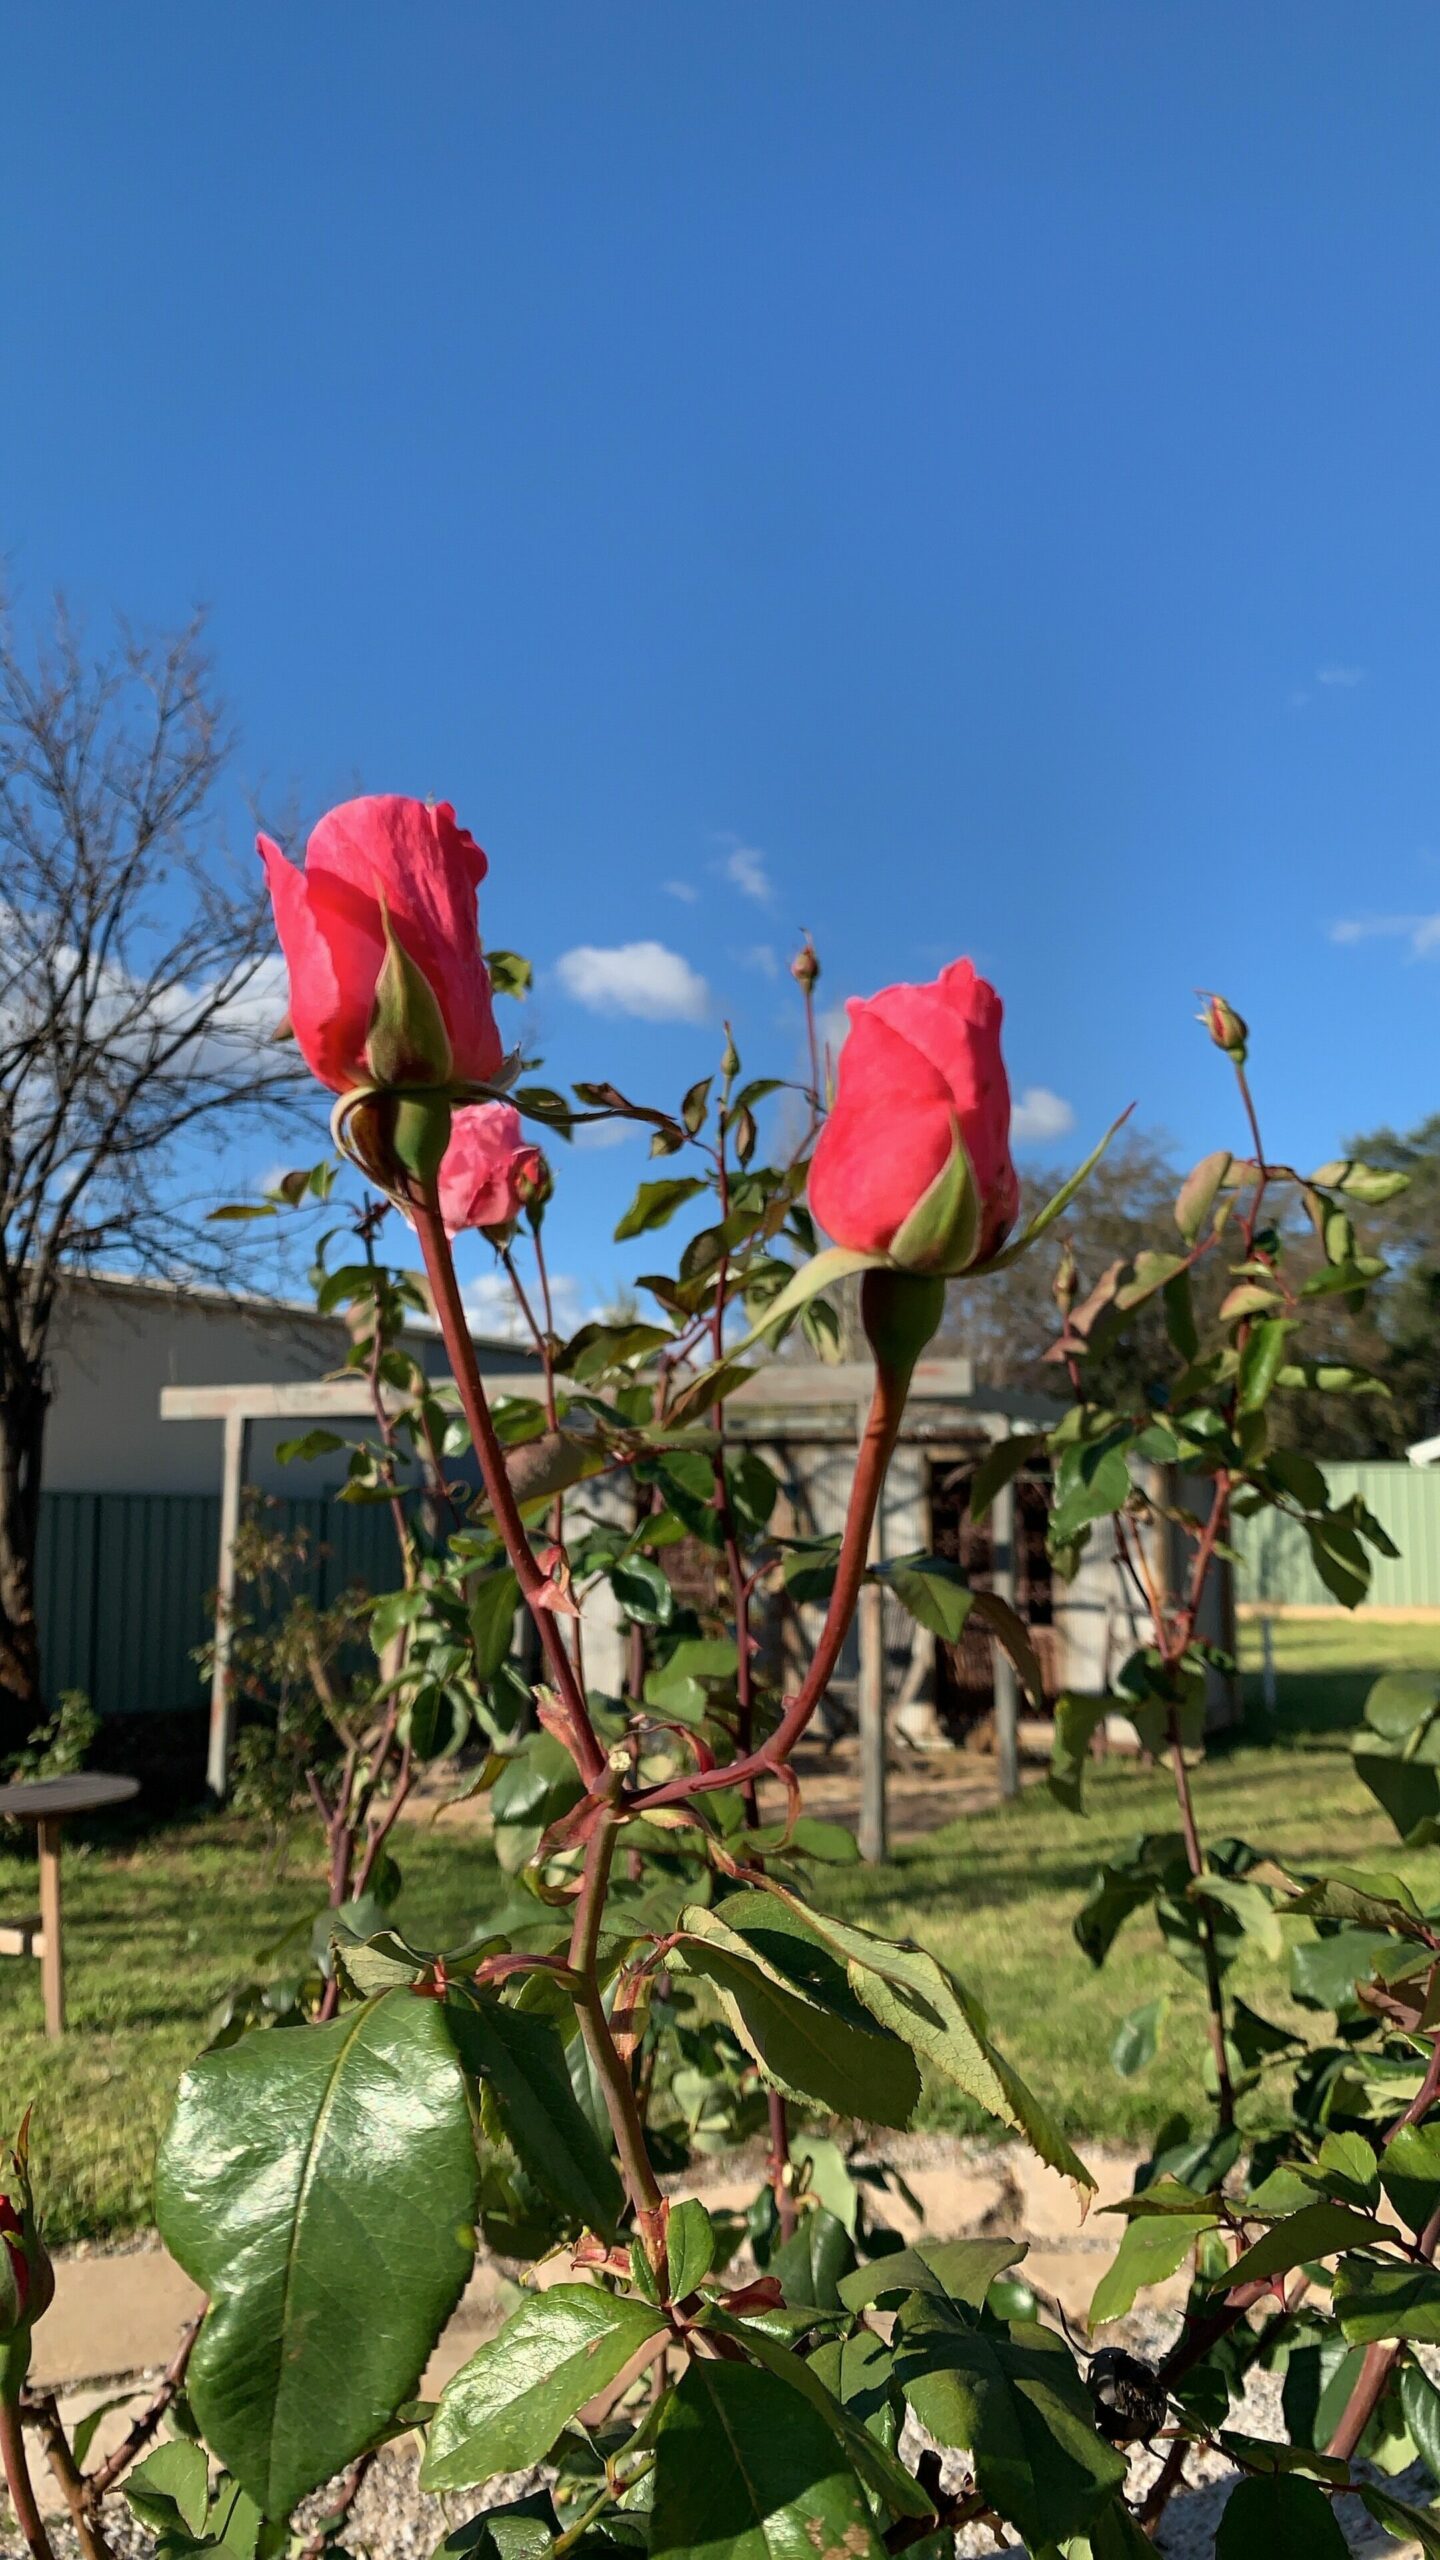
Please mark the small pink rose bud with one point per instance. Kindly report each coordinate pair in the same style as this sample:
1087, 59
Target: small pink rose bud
1065, 1287
805, 967
490, 1172
1226, 1028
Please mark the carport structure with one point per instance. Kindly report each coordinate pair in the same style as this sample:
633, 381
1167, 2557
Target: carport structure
807, 1420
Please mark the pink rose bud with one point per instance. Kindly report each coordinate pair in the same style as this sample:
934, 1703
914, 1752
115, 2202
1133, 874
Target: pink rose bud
914, 1159
490, 1171
805, 967
1226, 1028
27, 2279
366, 861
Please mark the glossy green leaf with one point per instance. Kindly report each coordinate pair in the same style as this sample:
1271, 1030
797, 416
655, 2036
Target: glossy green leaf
1014, 2401
811, 2265
875, 2462
1402, 2520
948, 2270
307, 2179
690, 2246
1316, 2231
1077, 1721
1279, 2517
171, 2485
655, 1203
1420, 2409
525, 2531
643, 1591
494, 1600
504, 2409
1375, 2300
934, 1591
793, 2010
521, 2058
943, 2023
1152, 2247
1003, 1461
745, 2469
1410, 2172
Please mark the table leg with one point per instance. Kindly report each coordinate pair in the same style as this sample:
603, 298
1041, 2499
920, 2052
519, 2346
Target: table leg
52, 1961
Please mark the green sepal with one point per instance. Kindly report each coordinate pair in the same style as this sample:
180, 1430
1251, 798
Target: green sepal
901, 1313
941, 1231
407, 1042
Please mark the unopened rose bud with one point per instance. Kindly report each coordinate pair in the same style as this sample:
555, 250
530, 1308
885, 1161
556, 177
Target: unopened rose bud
1065, 1287
490, 1172
1226, 1028
805, 967
27, 2279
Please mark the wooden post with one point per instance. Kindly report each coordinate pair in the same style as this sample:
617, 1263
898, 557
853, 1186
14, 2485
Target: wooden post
1004, 1684
52, 1952
222, 1703
874, 1825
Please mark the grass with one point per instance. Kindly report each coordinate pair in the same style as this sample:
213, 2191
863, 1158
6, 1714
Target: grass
160, 1922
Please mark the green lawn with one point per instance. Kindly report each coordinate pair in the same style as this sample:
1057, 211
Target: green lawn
161, 1922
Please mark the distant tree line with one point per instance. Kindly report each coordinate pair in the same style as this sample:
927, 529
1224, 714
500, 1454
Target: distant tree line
1008, 1324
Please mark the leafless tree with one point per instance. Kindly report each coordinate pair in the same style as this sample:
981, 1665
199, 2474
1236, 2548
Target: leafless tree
138, 1004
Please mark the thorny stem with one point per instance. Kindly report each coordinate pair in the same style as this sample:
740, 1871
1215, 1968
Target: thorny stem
43, 2414
440, 1270
543, 1336
621, 2105
882, 1428
778, 2113
138, 2435
350, 2487
1214, 1989
1379, 2360
17, 2474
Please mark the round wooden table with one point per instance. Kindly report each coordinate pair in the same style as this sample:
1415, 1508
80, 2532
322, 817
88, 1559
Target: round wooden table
49, 1803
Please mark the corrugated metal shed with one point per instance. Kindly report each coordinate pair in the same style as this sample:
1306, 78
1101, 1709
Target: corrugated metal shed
125, 1583
1274, 1553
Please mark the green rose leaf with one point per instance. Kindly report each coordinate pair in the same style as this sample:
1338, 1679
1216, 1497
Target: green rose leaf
793, 2010
1152, 2247
1279, 2517
504, 2409
1014, 2401
745, 2469
309, 2182
1376, 2301
521, 2058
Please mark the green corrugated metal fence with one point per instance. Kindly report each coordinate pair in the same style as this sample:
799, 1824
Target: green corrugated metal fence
124, 1579
1275, 1555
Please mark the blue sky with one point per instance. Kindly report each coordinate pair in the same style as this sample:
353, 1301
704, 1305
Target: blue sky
960, 477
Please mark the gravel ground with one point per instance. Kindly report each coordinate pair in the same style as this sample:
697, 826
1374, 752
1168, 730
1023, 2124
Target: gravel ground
393, 2519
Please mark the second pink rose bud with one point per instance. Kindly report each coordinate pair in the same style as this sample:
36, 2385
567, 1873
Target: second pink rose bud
491, 1172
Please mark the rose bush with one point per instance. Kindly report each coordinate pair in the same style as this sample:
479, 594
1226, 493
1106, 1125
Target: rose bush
667, 1983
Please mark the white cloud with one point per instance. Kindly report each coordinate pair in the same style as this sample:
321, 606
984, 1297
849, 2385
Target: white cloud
761, 956
1421, 932
1040, 1115
491, 1308
604, 1133
684, 890
745, 868
1345, 678
644, 979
